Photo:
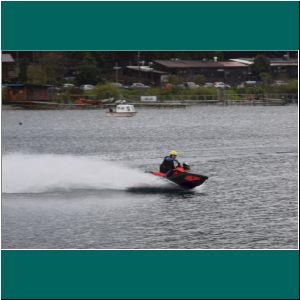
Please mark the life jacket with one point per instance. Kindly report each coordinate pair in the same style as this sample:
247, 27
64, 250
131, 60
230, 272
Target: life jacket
167, 164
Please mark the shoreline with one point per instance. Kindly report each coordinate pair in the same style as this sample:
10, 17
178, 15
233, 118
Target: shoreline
170, 104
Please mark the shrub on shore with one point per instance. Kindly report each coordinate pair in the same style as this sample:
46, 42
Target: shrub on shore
104, 91
108, 90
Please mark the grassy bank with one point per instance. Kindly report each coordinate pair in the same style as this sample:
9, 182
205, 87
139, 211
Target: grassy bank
107, 90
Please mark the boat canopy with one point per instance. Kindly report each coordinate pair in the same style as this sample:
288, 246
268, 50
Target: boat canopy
122, 108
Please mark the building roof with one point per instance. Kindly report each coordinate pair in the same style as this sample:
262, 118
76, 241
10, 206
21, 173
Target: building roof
232, 64
273, 61
245, 61
7, 58
284, 63
199, 64
188, 64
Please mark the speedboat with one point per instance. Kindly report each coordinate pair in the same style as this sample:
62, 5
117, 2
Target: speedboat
122, 110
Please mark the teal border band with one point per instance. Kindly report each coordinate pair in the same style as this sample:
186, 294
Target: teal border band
125, 25
150, 274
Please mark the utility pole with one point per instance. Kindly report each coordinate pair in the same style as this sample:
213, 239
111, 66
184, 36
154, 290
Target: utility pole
152, 70
138, 61
117, 68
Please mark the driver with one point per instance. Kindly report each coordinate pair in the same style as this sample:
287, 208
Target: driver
168, 164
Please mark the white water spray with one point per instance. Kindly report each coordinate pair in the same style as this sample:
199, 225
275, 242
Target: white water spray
37, 173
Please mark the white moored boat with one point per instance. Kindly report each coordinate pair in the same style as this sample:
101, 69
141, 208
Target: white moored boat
122, 110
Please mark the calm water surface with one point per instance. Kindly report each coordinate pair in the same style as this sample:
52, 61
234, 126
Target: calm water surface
76, 179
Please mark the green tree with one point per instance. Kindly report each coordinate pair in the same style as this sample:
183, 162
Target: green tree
290, 87
175, 79
265, 78
54, 65
200, 79
89, 58
104, 91
261, 64
36, 74
88, 74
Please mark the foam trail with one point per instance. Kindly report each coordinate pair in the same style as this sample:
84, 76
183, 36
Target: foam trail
37, 173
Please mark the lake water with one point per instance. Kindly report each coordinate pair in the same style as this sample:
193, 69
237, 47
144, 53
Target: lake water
78, 180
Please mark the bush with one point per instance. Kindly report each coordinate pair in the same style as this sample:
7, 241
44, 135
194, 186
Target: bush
36, 74
290, 88
258, 89
200, 79
104, 91
175, 79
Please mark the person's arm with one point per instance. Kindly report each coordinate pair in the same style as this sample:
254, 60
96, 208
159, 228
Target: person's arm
178, 163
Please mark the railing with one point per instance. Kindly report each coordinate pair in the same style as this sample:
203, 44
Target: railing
215, 98
218, 98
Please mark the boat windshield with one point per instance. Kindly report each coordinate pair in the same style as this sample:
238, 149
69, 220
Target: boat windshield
125, 108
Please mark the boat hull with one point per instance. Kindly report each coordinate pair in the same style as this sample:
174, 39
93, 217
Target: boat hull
120, 114
185, 180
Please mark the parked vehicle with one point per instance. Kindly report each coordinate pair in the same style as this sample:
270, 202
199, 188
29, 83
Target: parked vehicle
279, 83
247, 83
139, 85
116, 84
221, 85
208, 84
87, 87
119, 85
191, 85
250, 82
68, 85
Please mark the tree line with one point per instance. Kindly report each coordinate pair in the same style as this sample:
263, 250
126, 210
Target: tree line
94, 67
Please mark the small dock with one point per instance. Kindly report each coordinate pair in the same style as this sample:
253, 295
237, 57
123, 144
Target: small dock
41, 105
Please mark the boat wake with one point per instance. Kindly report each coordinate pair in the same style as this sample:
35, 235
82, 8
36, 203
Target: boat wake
44, 173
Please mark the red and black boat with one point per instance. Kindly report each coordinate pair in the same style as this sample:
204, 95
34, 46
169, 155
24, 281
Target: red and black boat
182, 177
